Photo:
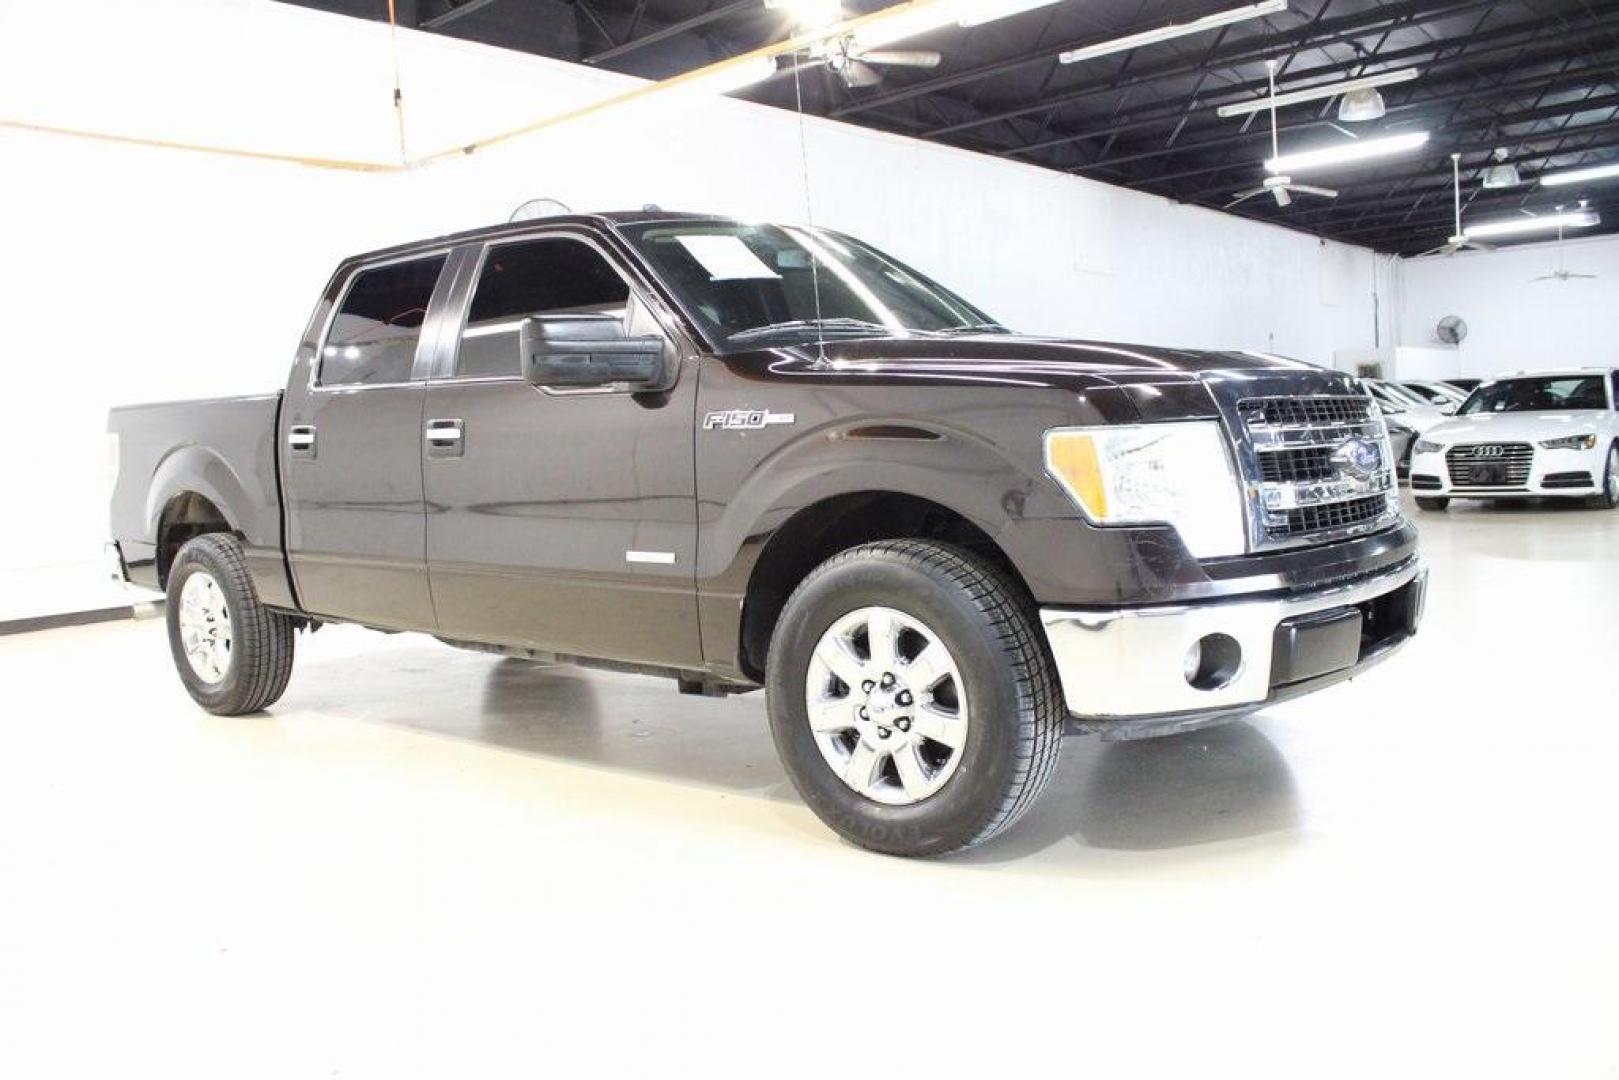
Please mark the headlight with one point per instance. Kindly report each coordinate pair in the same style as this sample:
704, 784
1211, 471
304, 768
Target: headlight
1423, 446
1571, 442
1178, 474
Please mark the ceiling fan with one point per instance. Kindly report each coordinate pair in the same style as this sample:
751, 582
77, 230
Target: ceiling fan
1458, 240
1280, 188
1561, 273
859, 67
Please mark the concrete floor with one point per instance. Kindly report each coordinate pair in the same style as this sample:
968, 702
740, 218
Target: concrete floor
431, 862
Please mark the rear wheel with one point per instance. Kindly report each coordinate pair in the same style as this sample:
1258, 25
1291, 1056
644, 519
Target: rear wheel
234, 655
911, 697
1609, 498
1428, 502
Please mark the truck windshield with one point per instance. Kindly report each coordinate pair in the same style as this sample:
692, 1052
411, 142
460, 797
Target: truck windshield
752, 285
1550, 394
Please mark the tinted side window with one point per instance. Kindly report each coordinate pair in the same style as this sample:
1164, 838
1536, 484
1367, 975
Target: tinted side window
532, 278
373, 338
1615, 380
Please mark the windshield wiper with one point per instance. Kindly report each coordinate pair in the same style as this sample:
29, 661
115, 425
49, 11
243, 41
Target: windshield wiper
975, 328
834, 325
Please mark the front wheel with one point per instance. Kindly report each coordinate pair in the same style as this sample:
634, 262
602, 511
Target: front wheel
912, 699
1609, 498
234, 655
1430, 503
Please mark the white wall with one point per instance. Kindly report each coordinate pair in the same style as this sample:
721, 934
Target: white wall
1512, 323
144, 274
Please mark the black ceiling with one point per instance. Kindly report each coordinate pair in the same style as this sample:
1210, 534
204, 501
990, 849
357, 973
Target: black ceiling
1539, 78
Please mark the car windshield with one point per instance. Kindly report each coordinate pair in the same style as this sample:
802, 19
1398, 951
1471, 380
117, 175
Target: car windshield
1426, 393
1550, 394
750, 285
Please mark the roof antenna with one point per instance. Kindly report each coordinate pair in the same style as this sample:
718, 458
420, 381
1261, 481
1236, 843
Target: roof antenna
809, 214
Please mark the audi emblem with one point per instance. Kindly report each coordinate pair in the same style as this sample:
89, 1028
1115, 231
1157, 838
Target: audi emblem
1488, 451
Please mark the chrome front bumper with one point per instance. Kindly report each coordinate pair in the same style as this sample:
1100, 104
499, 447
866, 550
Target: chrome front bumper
1130, 663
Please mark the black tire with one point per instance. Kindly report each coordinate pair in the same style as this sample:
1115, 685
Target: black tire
990, 627
261, 640
1428, 502
1609, 498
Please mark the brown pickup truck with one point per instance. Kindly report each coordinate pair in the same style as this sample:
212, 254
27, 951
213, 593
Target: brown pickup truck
743, 455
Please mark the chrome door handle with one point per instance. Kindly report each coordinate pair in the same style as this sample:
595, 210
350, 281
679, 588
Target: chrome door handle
301, 440
444, 438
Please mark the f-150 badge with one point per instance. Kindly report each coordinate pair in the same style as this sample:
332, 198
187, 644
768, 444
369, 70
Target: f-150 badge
745, 419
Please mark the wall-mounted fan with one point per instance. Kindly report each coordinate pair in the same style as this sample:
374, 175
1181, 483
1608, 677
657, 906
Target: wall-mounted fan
1458, 240
1280, 188
858, 67
1451, 329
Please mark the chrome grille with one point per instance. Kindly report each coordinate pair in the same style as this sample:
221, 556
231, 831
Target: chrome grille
1302, 490
1490, 465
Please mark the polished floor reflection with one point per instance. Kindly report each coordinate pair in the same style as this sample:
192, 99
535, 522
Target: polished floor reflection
432, 862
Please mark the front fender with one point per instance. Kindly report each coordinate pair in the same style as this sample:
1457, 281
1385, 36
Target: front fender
955, 469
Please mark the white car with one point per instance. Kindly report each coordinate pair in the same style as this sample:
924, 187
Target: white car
1551, 433
1439, 395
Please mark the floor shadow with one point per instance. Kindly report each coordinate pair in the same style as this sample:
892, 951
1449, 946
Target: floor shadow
1201, 787
626, 723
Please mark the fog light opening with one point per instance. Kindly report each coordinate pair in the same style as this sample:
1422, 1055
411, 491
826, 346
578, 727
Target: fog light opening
1212, 661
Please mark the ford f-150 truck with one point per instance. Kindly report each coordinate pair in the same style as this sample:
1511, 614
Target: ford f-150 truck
743, 455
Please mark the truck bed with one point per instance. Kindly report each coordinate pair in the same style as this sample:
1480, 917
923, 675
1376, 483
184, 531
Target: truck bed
221, 449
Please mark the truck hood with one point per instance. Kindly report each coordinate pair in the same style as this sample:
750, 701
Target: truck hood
1125, 383
1517, 427
1030, 355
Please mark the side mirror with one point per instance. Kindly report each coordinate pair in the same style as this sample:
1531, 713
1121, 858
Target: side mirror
1448, 410
590, 350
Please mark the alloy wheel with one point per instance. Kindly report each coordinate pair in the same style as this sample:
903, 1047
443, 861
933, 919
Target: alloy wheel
887, 705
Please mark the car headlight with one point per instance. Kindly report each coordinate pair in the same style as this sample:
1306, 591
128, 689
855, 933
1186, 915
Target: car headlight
1570, 442
1177, 474
1423, 446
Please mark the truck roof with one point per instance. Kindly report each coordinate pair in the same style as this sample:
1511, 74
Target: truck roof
489, 232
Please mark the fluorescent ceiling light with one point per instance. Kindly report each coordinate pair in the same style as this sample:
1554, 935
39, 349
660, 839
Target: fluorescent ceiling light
1345, 153
725, 77
1174, 30
1316, 93
1575, 219
1580, 176
983, 11
809, 13
920, 18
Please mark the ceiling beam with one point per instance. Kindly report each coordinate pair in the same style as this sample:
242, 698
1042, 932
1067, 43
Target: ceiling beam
459, 11
674, 29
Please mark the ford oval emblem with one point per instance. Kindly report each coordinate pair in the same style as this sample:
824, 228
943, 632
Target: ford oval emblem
1360, 458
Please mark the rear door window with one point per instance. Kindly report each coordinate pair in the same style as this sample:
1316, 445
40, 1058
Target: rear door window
373, 337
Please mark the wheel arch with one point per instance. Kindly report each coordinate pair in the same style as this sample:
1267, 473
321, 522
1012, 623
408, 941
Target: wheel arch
835, 523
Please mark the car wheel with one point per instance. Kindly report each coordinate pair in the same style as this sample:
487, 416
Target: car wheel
1609, 498
234, 655
912, 698
1430, 503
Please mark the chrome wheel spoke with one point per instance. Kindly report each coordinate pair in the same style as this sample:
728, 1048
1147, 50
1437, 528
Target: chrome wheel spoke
860, 771
913, 775
946, 728
833, 714
928, 667
881, 635
840, 659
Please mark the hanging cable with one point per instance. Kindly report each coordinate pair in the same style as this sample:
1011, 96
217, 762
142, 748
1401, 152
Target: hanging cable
399, 94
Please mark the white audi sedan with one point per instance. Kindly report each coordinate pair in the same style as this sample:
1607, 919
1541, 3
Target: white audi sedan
1550, 433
